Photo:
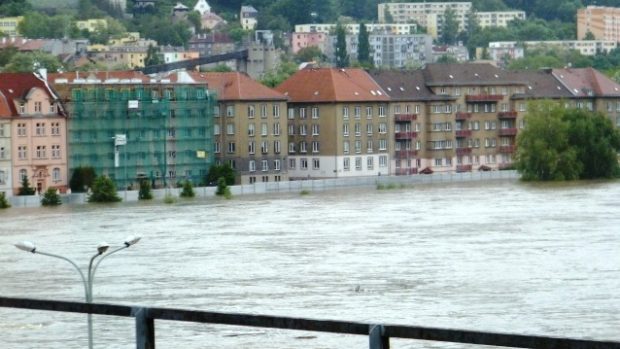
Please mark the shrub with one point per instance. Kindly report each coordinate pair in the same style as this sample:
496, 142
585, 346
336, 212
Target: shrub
4, 203
169, 199
222, 188
145, 192
104, 190
51, 198
82, 179
188, 190
26, 189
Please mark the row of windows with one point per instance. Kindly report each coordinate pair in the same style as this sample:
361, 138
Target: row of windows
382, 128
39, 153
370, 146
40, 129
264, 147
38, 108
187, 132
23, 173
264, 129
302, 147
370, 163
251, 111
504, 91
264, 165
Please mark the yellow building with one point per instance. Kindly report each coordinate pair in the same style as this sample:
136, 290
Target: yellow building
8, 25
92, 24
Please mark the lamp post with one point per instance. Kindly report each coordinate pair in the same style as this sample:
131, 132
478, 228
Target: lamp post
87, 280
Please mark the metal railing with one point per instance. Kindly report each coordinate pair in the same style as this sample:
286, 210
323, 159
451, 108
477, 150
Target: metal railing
379, 335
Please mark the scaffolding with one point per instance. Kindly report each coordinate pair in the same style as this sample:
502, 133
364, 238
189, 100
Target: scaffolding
168, 130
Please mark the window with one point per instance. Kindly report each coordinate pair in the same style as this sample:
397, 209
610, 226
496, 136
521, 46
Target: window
251, 111
303, 147
230, 111
369, 146
263, 111
303, 164
264, 165
277, 147
358, 163
56, 151
302, 113
383, 161
252, 166
55, 129
316, 164
383, 144
216, 147
40, 129
276, 165
345, 147
521, 106
315, 129
381, 112
358, 129
315, 112
346, 164
264, 129
251, 130
439, 162
276, 111
231, 147
291, 113
315, 147
291, 164
251, 147
370, 162
276, 129
40, 152
230, 129
382, 127
357, 112
291, 147
23, 173
345, 111
56, 174
358, 147
345, 129
264, 147
302, 130
368, 112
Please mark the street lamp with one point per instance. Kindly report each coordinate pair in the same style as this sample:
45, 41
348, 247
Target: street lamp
102, 248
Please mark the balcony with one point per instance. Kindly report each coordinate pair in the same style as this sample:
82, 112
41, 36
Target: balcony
404, 171
508, 131
505, 149
463, 151
405, 117
507, 115
405, 154
462, 115
463, 133
483, 98
405, 135
463, 168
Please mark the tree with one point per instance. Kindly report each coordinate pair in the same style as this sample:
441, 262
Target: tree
188, 190
196, 20
589, 36
153, 57
221, 171
309, 54
6, 54
363, 47
450, 27
103, 190
26, 189
145, 192
82, 179
342, 56
219, 68
275, 78
51, 198
566, 144
23, 62
12, 8
222, 188
4, 203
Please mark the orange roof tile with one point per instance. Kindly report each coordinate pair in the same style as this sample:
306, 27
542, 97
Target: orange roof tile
332, 85
16, 86
233, 86
583, 82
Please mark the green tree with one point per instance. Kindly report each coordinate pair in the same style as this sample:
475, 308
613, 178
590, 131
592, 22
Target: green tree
23, 62
38, 25
4, 203
309, 54
145, 193
589, 36
153, 56
196, 21
222, 188
219, 68
275, 78
82, 179
450, 28
12, 8
188, 190
51, 198
363, 47
103, 190
6, 54
342, 56
26, 189
221, 171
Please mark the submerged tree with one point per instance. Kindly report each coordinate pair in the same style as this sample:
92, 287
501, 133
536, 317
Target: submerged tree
103, 190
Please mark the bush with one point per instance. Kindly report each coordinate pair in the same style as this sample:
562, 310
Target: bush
145, 192
104, 190
222, 188
169, 199
218, 171
188, 190
304, 192
82, 179
26, 189
51, 198
4, 203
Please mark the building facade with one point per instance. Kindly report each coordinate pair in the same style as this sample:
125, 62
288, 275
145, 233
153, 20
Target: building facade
131, 127
37, 132
354, 28
337, 124
248, 17
603, 22
6, 185
8, 25
250, 127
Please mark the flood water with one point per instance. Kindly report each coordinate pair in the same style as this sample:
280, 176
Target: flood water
501, 256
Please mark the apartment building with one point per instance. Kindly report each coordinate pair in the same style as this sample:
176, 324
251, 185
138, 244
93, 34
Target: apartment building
132, 127
354, 28
248, 17
603, 22
585, 47
301, 40
249, 128
338, 124
9, 25
37, 133
498, 18
6, 185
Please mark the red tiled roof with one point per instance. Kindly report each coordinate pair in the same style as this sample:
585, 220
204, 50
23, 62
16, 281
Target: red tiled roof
583, 82
231, 86
332, 85
16, 86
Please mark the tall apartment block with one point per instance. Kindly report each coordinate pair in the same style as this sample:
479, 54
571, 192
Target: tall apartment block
603, 22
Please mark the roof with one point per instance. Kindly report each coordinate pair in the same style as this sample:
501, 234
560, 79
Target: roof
15, 87
98, 77
587, 82
542, 84
405, 85
439, 74
332, 85
235, 86
248, 9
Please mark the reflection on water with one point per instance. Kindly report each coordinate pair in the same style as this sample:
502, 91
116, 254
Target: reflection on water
497, 256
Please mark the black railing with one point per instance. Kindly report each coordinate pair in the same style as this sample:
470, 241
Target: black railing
379, 335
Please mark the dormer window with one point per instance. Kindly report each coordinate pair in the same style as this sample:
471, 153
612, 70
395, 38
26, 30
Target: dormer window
22, 108
38, 107
52, 108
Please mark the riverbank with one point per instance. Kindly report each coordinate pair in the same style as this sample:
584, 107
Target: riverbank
289, 186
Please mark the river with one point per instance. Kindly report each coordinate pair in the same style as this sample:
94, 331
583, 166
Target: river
501, 256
